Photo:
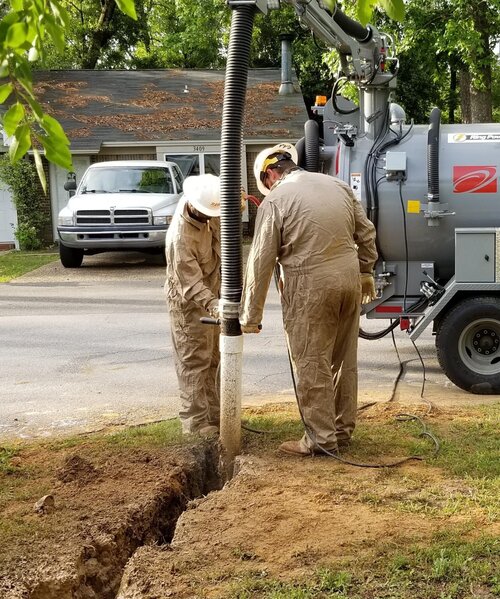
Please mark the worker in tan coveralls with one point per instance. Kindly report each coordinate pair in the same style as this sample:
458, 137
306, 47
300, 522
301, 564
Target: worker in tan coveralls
325, 245
192, 290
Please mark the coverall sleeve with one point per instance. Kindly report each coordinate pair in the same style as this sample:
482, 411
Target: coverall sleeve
364, 236
190, 278
261, 262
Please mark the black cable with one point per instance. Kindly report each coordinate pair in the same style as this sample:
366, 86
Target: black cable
379, 334
424, 373
402, 366
401, 370
425, 431
337, 88
405, 231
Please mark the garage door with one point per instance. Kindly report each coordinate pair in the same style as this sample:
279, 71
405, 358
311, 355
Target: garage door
8, 219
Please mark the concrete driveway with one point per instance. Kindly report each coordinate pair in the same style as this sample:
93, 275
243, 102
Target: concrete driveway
89, 348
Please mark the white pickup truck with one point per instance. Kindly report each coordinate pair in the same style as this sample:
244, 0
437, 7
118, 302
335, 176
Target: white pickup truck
119, 205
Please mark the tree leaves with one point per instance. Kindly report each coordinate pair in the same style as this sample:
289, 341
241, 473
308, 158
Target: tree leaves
127, 7
394, 8
364, 10
12, 117
5, 91
25, 30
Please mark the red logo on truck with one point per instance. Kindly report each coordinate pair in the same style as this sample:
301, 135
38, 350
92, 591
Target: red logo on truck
474, 179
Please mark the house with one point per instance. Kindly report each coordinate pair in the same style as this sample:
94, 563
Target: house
165, 114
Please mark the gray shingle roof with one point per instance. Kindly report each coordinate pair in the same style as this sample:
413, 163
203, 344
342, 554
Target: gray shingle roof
151, 105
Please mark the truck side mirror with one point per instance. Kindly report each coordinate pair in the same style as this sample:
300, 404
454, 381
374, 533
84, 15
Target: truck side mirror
70, 184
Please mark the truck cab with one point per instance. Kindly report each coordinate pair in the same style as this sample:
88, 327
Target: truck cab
119, 205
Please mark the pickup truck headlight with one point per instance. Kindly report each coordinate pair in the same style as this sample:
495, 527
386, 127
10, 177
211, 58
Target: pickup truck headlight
162, 220
66, 221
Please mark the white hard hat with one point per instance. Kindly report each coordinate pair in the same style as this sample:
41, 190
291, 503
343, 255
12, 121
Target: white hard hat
271, 156
203, 193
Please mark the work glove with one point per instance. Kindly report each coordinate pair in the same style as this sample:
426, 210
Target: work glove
243, 204
213, 309
368, 293
250, 328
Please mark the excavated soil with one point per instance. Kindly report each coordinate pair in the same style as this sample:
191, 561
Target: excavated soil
104, 505
143, 524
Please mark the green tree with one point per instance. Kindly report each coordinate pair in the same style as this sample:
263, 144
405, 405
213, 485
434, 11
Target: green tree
25, 27
447, 57
22, 180
185, 34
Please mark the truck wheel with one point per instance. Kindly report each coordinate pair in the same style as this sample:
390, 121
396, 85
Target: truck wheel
468, 345
70, 257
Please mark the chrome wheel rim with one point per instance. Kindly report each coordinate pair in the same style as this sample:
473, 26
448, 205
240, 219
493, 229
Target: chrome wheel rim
479, 346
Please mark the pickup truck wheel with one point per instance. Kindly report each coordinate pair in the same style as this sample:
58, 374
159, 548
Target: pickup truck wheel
468, 345
70, 257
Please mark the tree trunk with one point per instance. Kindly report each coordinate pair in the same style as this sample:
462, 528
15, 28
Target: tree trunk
101, 35
481, 105
465, 95
481, 99
452, 100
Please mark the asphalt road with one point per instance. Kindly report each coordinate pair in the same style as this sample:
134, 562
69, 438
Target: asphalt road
89, 348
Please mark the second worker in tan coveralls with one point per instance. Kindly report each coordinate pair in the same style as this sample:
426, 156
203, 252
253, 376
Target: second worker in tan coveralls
325, 245
192, 289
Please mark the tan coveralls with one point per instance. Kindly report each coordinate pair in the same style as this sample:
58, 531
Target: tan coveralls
311, 223
192, 287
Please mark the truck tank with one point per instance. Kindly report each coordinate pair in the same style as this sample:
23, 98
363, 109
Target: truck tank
430, 190
469, 163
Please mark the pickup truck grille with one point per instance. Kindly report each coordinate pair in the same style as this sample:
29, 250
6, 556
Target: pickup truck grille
136, 216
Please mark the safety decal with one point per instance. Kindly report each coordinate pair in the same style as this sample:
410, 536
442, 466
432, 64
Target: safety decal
474, 179
356, 185
413, 206
463, 138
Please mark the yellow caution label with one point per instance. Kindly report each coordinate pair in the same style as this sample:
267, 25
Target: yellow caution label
413, 206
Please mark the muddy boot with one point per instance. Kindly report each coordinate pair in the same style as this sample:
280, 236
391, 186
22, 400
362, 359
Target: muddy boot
208, 431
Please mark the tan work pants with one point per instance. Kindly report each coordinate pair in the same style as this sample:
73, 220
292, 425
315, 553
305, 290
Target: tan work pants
196, 354
321, 319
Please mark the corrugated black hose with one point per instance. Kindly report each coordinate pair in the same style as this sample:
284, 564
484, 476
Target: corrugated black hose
230, 166
433, 156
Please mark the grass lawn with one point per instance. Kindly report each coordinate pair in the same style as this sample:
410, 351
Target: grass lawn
17, 263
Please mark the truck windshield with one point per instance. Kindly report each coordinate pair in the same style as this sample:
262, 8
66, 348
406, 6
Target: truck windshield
127, 180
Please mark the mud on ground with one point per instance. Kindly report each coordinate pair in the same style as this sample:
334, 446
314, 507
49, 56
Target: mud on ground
111, 530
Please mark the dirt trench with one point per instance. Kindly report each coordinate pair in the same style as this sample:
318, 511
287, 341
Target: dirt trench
103, 515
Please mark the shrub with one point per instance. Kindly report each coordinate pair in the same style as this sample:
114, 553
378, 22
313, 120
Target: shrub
22, 180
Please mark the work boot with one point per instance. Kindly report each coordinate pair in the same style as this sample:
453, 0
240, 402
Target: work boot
343, 443
297, 448
208, 431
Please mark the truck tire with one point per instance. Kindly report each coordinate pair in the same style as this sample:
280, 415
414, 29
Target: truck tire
70, 257
468, 345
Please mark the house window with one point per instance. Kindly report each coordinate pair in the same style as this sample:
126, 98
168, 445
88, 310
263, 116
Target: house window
196, 164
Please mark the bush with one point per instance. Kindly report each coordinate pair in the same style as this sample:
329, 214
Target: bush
22, 180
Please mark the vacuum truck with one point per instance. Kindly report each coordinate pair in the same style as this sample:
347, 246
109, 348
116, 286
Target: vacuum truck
431, 191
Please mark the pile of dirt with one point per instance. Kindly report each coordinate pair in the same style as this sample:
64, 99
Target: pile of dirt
100, 513
279, 518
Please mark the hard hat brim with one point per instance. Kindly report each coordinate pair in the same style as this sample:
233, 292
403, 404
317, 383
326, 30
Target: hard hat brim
262, 157
203, 209
196, 190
